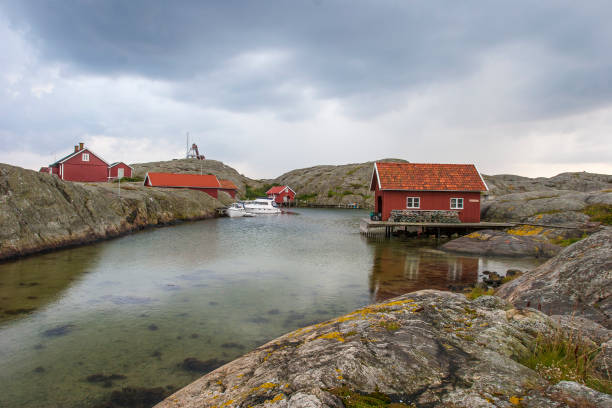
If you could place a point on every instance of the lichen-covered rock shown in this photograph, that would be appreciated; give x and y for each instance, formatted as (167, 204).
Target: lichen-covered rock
(427, 348)
(38, 211)
(578, 281)
(500, 243)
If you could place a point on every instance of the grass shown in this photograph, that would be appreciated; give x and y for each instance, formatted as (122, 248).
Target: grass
(568, 241)
(253, 193)
(306, 197)
(561, 357)
(132, 179)
(478, 292)
(354, 399)
(599, 213)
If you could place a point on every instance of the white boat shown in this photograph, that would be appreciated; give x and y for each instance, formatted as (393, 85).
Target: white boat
(236, 210)
(261, 206)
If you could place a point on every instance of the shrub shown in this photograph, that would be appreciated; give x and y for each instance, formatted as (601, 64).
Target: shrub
(599, 213)
(478, 292)
(132, 179)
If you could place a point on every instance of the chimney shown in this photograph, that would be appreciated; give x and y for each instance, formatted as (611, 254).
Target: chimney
(76, 148)
(81, 146)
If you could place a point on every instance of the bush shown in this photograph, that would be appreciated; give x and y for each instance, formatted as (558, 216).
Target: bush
(478, 292)
(599, 213)
(566, 358)
(131, 179)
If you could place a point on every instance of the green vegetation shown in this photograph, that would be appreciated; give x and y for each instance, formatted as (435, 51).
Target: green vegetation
(569, 241)
(352, 171)
(560, 357)
(357, 185)
(599, 213)
(331, 193)
(354, 399)
(253, 193)
(478, 292)
(306, 197)
(131, 179)
(347, 192)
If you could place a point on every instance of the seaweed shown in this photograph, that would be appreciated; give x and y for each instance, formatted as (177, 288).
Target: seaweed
(199, 366)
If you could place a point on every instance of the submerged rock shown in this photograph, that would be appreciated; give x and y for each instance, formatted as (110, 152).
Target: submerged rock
(428, 348)
(577, 282)
(199, 366)
(136, 397)
(59, 330)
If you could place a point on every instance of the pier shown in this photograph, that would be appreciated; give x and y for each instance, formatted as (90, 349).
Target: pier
(369, 228)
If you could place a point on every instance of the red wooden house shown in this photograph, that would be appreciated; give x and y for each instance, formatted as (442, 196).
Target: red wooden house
(80, 165)
(119, 170)
(420, 186)
(229, 187)
(207, 182)
(281, 194)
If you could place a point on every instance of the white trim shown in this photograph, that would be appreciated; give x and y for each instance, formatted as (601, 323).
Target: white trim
(144, 183)
(110, 166)
(81, 151)
(456, 207)
(482, 179)
(418, 198)
(62, 170)
(375, 171)
(85, 157)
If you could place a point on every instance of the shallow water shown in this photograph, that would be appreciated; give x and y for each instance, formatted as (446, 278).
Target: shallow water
(139, 305)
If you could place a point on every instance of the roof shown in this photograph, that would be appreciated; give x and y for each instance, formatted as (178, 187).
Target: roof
(278, 190)
(228, 184)
(182, 180)
(71, 155)
(428, 177)
(116, 163)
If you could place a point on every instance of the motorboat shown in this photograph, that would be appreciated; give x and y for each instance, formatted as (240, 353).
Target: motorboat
(261, 206)
(236, 210)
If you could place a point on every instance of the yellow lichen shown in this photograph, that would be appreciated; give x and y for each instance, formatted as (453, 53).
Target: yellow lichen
(525, 230)
(228, 403)
(278, 397)
(332, 336)
(515, 400)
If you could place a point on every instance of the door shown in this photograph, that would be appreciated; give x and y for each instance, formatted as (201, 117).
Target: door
(119, 172)
(379, 205)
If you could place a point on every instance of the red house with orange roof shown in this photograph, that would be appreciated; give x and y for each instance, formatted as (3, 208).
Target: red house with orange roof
(281, 194)
(205, 182)
(426, 187)
(229, 187)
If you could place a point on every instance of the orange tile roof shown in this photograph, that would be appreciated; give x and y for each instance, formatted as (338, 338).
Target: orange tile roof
(228, 184)
(276, 190)
(429, 177)
(183, 180)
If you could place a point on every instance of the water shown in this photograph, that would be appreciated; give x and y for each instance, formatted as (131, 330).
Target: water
(139, 305)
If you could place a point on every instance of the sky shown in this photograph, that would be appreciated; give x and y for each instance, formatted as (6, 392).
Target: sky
(517, 87)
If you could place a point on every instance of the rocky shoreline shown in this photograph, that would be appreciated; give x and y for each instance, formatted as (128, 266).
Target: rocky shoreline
(433, 348)
(39, 212)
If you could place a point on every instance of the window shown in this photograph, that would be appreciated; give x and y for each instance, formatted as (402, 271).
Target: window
(456, 203)
(413, 202)
(85, 157)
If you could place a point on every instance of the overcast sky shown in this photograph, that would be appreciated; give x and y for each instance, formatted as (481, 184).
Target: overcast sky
(269, 86)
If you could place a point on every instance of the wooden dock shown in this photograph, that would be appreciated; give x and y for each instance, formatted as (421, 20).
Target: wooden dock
(368, 227)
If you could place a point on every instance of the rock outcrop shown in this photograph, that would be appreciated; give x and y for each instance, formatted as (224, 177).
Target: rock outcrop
(503, 184)
(501, 243)
(427, 348)
(40, 212)
(578, 281)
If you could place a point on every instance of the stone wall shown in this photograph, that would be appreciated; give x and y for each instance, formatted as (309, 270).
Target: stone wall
(445, 216)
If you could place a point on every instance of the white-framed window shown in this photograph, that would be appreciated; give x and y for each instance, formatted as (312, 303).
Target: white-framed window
(456, 203)
(413, 202)
(85, 157)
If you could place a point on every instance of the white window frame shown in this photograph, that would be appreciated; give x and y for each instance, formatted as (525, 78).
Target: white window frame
(458, 200)
(85, 157)
(413, 200)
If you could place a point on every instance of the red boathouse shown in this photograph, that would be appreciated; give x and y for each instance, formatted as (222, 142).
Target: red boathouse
(281, 194)
(206, 182)
(119, 170)
(424, 186)
(229, 187)
(80, 165)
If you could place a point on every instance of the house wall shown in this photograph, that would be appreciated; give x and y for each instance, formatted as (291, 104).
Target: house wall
(213, 192)
(229, 191)
(430, 200)
(127, 170)
(75, 169)
(280, 198)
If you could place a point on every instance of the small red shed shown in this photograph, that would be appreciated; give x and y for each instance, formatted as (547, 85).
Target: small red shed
(80, 165)
(281, 194)
(206, 182)
(119, 170)
(229, 187)
(426, 186)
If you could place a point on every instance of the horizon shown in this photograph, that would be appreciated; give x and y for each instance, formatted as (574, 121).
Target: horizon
(517, 88)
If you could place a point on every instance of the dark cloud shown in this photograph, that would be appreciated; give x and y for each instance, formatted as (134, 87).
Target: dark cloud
(338, 49)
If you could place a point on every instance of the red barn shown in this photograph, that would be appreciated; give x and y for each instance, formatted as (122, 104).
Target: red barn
(80, 165)
(420, 187)
(229, 187)
(281, 194)
(207, 182)
(119, 170)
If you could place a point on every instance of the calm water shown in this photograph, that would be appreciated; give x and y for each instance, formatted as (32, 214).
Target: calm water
(139, 305)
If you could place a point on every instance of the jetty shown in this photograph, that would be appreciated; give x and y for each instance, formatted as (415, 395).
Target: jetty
(369, 228)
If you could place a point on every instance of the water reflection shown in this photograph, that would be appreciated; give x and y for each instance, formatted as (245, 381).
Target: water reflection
(398, 269)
